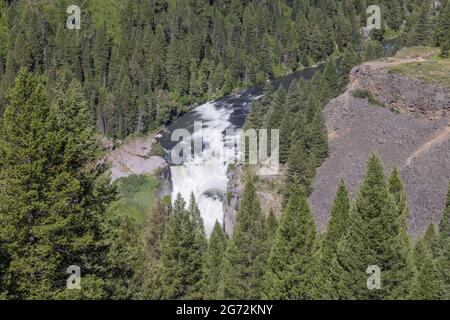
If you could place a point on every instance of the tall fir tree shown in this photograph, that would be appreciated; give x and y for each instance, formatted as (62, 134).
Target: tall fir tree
(183, 250)
(442, 251)
(427, 283)
(244, 262)
(54, 194)
(213, 260)
(326, 276)
(290, 267)
(370, 241)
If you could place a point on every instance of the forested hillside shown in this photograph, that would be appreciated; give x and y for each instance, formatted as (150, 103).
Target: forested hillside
(134, 66)
(140, 63)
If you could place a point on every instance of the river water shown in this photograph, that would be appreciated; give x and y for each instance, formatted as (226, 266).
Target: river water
(205, 173)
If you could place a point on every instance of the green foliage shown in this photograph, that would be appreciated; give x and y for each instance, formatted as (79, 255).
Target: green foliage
(137, 195)
(289, 270)
(244, 261)
(213, 260)
(366, 94)
(53, 197)
(339, 221)
(183, 251)
(372, 240)
(427, 284)
(442, 252)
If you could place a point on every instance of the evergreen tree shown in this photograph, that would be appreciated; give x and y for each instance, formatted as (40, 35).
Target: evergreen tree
(370, 241)
(330, 79)
(403, 270)
(53, 195)
(427, 284)
(183, 250)
(244, 261)
(216, 249)
(300, 168)
(349, 60)
(289, 270)
(276, 111)
(325, 276)
(317, 138)
(442, 34)
(443, 249)
(287, 127)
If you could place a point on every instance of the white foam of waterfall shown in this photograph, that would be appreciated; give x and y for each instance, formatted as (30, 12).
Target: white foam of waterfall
(205, 173)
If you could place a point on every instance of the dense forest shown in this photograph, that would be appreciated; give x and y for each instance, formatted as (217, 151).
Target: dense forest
(134, 66)
(142, 62)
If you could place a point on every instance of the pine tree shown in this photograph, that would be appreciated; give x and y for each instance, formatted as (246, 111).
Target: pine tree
(403, 270)
(244, 261)
(337, 226)
(216, 249)
(183, 250)
(442, 33)
(421, 31)
(395, 15)
(275, 114)
(349, 60)
(52, 209)
(330, 79)
(289, 270)
(300, 168)
(317, 138)
(427, 283)
(199, 247)
(287, 127)
(443, 249)
(370, 240)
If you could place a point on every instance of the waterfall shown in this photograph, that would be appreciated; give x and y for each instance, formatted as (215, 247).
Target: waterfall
(205, 173)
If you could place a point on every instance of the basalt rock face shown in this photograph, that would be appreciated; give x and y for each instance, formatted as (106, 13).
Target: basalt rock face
(416, 140)
(406, 94)
(266, 189)
(232, 200)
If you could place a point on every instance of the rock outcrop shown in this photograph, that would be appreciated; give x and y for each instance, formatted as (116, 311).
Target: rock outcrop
(406, 94)
(416, 140)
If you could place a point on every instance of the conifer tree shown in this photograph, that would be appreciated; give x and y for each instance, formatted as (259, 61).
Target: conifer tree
(443, 28)
(287, 127)
(317, 138)
(330, 79)
(300, 168)
(442, 251)
(276, 111)
(337, 226)
(244, 261)
(183, 251)
(53, 194)
(403, 270)
(213, 260)
(289, 269)
(349, 60)
(427, 284)
(199, 247)
(370, 240)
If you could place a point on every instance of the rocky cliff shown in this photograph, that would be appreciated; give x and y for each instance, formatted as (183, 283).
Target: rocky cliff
(406, 94)
(416, 140)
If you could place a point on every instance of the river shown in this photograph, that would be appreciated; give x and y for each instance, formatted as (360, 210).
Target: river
(205, 173)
